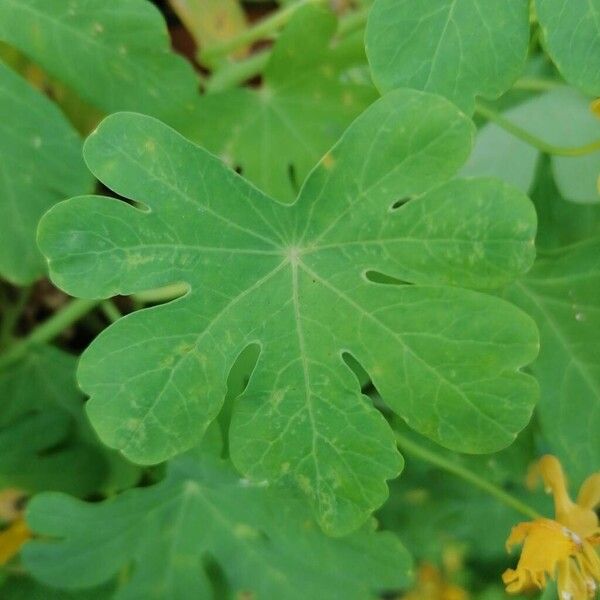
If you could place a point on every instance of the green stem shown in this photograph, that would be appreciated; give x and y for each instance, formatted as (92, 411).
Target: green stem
(238, 72)
(431, 457)
(261, 30)
(11, 316)
(111, 312)
(536, 84)
(235, 73)
(532, 140)
(353, 21)
(48, 330)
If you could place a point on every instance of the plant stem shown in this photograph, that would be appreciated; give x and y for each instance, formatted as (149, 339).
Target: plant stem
(237, 72)
(261, 30)
(431, 457)
(111, 312)
(48, 330)
(532, 140)
(353, 21)
(536, 84)
(11, 316)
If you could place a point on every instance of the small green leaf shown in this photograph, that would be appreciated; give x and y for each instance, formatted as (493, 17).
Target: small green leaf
(561, 117)
(561, 293)
(262, 539)
(276, 133)
(457, 48)
(296, 281)
(114, 53)
(40, 164)
(571, 32)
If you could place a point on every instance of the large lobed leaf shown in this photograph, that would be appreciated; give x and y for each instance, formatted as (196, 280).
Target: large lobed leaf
(263, 541)
(457, 48)
(277, 132)
(40, 164)
(295, 280)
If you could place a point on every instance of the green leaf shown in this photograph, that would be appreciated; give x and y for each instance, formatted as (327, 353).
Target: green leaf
(560, 223)
(561, 117)
(114, 53)
(276, 133)
(24, 588)
(40, 164)
(457, 48)
(42, 411)
(295, 280)
(263, 541)
(571, 32)
(561, 293)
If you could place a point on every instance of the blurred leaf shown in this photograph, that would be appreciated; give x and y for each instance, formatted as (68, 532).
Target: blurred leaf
(45, 442)
(262, 539)
(275, 134)
(560, 223)
(571, 32)
(24, 588)
(211, 21)
(115, 54)
(561, 117)
(40, 164)
(562, 293)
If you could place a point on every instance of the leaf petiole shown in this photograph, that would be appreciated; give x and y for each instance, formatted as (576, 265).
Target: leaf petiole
(532, 140)
(410, 447)
(236, 73)
(48, 330)
(263, 29)
(111, 312)
(536, 84)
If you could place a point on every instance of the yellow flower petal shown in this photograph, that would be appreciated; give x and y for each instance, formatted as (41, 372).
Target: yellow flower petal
(561, 549)
(589, 493)
(579, 517)
(546, 544)
(12, 539)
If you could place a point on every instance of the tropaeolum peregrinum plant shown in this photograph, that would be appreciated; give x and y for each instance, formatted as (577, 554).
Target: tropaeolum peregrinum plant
(296, 281)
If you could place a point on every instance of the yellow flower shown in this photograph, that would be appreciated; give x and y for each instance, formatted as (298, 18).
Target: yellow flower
(561, 548)
(11, 540)
(431, 585)
(17, 532)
